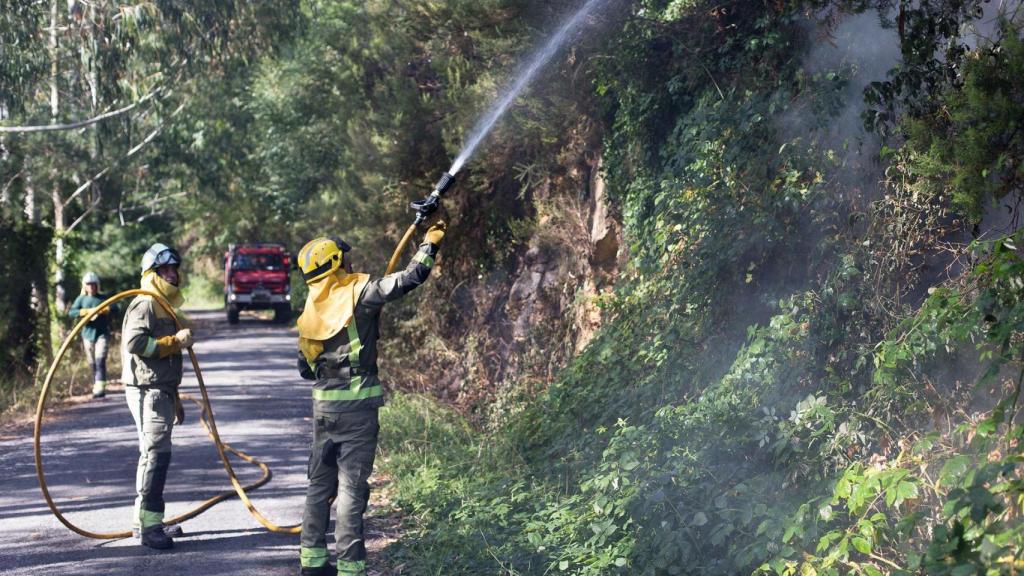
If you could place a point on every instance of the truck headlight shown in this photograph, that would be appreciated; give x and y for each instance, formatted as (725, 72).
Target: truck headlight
(233, 297)
(288, 297)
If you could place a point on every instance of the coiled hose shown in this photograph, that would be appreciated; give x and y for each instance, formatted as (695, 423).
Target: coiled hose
(206, 419)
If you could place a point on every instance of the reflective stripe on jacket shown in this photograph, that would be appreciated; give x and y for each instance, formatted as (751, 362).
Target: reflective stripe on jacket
(346, 370)
(143, 366)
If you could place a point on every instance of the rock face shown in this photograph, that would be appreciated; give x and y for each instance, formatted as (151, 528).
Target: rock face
(571, 259)
(511, 324)
(605, 260)
(528, 295)
(604, 230)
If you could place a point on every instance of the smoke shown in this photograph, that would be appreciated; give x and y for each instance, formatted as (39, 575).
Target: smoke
(985, 30)
(849, 52)
(861, 51)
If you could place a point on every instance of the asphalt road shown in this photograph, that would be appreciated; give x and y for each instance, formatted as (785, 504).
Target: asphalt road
(90, 451)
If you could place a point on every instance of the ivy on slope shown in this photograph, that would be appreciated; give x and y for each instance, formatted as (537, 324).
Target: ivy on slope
(715, 203)
(766, 396)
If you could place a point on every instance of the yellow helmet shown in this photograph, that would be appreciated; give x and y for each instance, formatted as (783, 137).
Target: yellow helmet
(321, 257)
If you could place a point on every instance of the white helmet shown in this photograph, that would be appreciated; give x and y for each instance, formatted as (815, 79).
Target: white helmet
(91, 278)
(159, 255)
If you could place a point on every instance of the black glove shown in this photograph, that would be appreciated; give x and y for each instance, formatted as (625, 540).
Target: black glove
(179, 411)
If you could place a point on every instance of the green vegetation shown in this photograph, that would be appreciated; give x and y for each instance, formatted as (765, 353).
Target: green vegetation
(971, 148)
(768, 395)
(19, 269)
(808, 359)
(99, 89)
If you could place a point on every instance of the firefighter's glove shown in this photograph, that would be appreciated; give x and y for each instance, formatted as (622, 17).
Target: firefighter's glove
(179, 411)
(436, 233)
(184, 338)
(174, 344)
(166, 346)
(84, 312)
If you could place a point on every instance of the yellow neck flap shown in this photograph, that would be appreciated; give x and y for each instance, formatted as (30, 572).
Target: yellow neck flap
(152, 282)
(330, 305)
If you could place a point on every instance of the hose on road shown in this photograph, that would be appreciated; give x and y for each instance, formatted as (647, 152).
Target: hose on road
(206, 419)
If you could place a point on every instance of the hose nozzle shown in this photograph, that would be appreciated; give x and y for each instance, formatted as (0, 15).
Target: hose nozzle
(443, 184)
(424, 208)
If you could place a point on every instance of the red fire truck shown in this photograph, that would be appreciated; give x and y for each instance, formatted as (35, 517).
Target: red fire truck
(256, 278)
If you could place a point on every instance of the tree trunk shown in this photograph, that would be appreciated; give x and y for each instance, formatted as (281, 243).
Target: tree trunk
(5, 158)
(59, 300)
(54, 96)
(40, 298)
(92, 62)
(31, 210)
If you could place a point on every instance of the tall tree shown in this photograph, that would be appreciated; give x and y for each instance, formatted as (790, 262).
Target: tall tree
(87, 88)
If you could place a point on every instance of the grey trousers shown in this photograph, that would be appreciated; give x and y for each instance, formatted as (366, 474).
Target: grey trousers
(340, 462)
(153, 412)
(96, 356)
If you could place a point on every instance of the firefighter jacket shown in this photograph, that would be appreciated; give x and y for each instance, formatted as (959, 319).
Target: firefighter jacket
(99, 325)
(144, 323)
(345, 365)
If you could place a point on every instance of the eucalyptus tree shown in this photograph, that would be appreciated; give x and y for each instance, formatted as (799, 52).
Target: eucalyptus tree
(88, 90)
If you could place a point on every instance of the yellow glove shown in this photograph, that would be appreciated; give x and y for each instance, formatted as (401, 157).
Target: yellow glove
(173, 344)
(436, 233)
(83, 312)
(166, 346)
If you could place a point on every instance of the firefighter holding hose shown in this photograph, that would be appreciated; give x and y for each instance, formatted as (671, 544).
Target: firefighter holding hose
(152, 368)
(338, 332)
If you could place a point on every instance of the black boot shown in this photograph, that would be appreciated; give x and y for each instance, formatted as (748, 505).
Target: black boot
(325, 570)
(172, 530)
(155, 537)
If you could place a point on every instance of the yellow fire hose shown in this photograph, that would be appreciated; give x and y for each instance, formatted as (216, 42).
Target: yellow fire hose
(398, 249)
(424, 208)
(206, 419)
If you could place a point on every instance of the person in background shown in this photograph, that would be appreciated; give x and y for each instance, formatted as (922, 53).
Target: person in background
(95, 334)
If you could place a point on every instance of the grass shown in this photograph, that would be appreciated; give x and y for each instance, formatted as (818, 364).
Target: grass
(455, 485)
(19, 394)
(203, 293)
